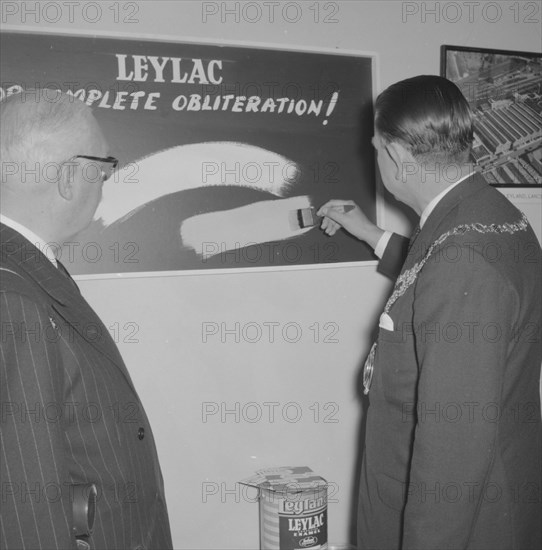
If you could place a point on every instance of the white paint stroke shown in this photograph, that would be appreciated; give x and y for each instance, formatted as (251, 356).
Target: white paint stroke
(260, 222)
(190, 166)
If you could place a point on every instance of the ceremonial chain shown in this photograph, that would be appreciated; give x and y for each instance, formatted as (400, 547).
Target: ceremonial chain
(408, 277)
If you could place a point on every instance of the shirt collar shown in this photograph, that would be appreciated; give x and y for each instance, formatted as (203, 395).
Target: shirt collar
(431, 206)
(46, 249)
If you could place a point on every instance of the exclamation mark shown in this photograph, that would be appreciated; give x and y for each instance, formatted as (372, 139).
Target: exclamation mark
(331, 106)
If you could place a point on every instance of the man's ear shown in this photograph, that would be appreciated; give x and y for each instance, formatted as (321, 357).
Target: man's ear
(400, 157)
(66, 178)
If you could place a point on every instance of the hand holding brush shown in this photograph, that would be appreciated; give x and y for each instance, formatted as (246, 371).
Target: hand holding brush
(348, 215)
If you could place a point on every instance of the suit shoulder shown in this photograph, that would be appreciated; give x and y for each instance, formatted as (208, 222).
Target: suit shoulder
(489, 207)
(490, 203)
(21, 301)
(13, 282)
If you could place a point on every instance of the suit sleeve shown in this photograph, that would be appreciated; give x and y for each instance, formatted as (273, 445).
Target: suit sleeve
(463, 312)
(36, 504)
(394, 256)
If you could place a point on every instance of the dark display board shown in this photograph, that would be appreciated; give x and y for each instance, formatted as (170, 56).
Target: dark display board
(219, 146)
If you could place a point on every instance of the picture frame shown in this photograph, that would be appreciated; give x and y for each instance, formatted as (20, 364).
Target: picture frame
(504, 90)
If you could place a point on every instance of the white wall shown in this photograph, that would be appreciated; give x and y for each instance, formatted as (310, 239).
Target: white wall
(176, 371)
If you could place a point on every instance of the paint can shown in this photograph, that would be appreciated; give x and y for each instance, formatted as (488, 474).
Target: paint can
(293, 508)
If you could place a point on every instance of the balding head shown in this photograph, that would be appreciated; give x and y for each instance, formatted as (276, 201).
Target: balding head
(40, 132)
(42, 126)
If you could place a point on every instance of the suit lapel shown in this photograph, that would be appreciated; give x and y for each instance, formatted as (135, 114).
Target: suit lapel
(67, 301)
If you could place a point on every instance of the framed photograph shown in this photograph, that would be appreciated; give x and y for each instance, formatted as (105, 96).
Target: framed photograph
(504, 89)
(223, 149)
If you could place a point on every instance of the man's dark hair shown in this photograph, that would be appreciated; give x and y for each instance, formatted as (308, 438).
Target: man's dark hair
(429, 116)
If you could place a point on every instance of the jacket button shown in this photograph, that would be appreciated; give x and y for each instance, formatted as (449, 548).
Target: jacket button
(141, 433)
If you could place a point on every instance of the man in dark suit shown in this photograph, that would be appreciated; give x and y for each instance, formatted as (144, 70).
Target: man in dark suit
(74, 432)
(452, 456)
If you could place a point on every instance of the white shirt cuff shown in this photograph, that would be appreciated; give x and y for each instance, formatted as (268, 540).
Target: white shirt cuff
(382, 244)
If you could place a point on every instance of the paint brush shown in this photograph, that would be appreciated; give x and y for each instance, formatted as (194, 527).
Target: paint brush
(307, 217)
(213, 233)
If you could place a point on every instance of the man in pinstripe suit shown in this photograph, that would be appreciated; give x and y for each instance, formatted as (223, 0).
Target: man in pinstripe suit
(71, 418)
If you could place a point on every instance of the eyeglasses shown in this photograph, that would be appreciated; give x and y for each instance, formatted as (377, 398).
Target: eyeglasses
(104, 174)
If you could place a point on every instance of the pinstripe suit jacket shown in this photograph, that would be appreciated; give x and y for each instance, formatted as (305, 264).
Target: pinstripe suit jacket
(453, 445)
(70, 414)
